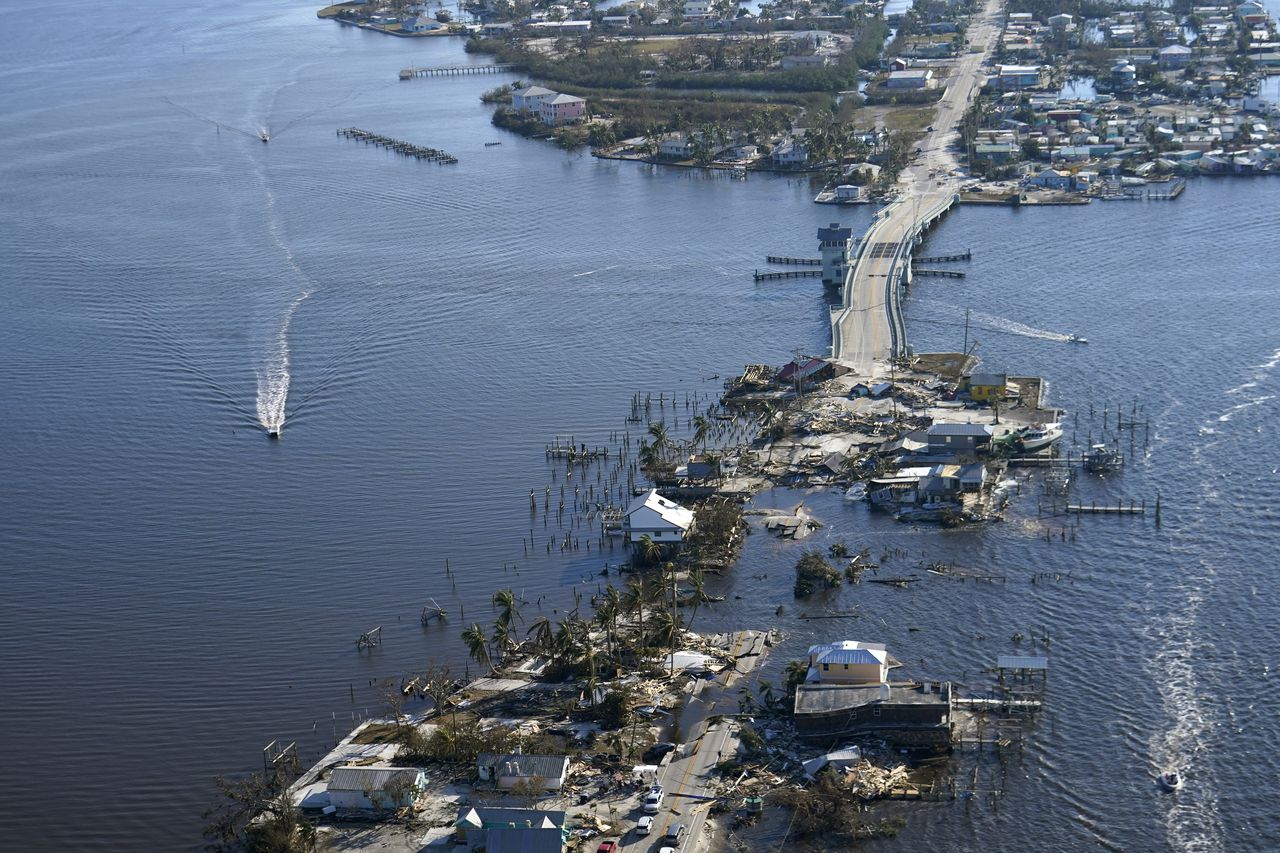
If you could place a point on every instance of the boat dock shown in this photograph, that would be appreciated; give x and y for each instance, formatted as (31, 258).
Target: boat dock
(945, 259)
(774, 276)
(932, 273)
(418, 152)
(450, 70)
(782, 259)
(1118, 508)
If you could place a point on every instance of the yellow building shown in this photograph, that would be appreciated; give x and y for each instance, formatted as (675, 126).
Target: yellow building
(988, 387)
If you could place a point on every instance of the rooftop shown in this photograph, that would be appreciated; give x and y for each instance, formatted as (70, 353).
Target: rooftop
(824, 698)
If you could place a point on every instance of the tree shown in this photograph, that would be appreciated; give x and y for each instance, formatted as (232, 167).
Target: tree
(649, 550)
(701, 428)
(391, 692)
(661, 438)
(509, 608)
(256, 814)
(478, 646)
(543, 635)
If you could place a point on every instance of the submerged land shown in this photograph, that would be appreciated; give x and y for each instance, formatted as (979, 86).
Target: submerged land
(617, 725)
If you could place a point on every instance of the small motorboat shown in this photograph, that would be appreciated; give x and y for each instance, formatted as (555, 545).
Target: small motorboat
(1076, 339)
(1169, 780)
(264, 135)
(273, 433)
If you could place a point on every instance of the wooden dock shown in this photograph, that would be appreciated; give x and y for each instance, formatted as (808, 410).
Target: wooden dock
(774, 276)
(409, 149)
(783, 259)
(1118, 508)
(450, 70)
(932, 273)
(946, 259)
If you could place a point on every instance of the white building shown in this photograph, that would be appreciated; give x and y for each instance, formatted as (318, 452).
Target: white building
(370, 788)
(664, 521)
(791, 151)
(531, 98)
(420, 24)
(674, 145)
(911, 78)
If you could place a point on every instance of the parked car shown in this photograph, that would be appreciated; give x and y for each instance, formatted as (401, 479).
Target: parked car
(653, 801)
(607, 847)
(654, 754)
(675, 832)
(644, 826)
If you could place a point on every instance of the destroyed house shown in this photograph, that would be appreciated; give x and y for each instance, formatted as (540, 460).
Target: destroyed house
(905, 716)
(546, 772)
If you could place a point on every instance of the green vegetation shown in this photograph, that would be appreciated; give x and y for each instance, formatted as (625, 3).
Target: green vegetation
(814, 573)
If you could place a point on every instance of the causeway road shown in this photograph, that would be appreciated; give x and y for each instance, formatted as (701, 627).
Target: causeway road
(866, 330)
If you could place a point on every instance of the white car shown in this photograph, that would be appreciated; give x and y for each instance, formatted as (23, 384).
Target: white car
(653, 802)
(644, 826)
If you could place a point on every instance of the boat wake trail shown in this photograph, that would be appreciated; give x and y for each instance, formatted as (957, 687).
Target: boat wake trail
(593, 272)
(981, 320)
(273, 374)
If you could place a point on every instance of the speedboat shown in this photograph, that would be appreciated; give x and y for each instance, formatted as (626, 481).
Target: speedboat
(1076, 339)
(1170, 780)
(273, 432)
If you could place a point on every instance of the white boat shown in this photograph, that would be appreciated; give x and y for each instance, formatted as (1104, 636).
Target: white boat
(1170, 780)
(1038, 436)
(856, 492)
(1076, 339)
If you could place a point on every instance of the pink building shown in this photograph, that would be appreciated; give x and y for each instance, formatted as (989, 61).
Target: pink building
(563, 109)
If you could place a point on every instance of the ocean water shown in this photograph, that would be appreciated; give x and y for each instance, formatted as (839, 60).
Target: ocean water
(180, 589)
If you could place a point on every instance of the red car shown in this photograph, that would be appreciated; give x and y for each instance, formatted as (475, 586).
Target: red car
(607, 847)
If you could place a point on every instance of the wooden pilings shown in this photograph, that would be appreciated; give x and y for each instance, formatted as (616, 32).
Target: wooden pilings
(418, 152)
(450, 70)
(783, 259)
(774, 276)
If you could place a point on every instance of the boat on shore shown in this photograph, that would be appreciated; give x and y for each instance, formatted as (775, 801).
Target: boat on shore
(1037, 436)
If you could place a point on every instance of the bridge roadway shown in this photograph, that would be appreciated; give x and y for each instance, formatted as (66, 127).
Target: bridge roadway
(867, 331)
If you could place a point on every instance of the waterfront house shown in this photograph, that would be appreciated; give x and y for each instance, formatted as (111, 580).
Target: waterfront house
(1123, 74)
(563, 109)
(958, 438)
(1051, 179)
(848, 662)
(804, 371)
(675, 145)
(497, 30)
(421, 24)
(987, 387)
(543, 772)
(791, 151)
(530, 98)
(972, 477)
(836, 244)
(906, 716)
(375, 788)
(497, 830)
(910, 78)
(663, 521)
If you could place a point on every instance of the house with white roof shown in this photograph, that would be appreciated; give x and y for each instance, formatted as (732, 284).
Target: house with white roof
(848, 662)
(531, 98)
(546, 772)
(563, 109)
(663, 521)
(369, 788)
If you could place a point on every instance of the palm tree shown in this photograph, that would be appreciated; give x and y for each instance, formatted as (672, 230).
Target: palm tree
(506, 599)
(503, 641)
(478, 646)
(701, 427)
(661, 438)
(699, 581)
(607, 615)
(766, 693)
(634, 600)
(650, 551)
(542, 634)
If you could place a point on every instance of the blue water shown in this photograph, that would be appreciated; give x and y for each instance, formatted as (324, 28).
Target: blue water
(181, 590)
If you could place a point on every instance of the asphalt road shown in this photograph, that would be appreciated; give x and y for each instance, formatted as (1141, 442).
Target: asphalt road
(686, 779)
(862, 333)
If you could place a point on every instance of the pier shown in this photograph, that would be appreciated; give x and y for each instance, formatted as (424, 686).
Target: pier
(782, 259)
(931, 273)
(1118, 508)
(418, 152)
(945, 259)
(867, 330)
(450, 70)
(774, 276)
